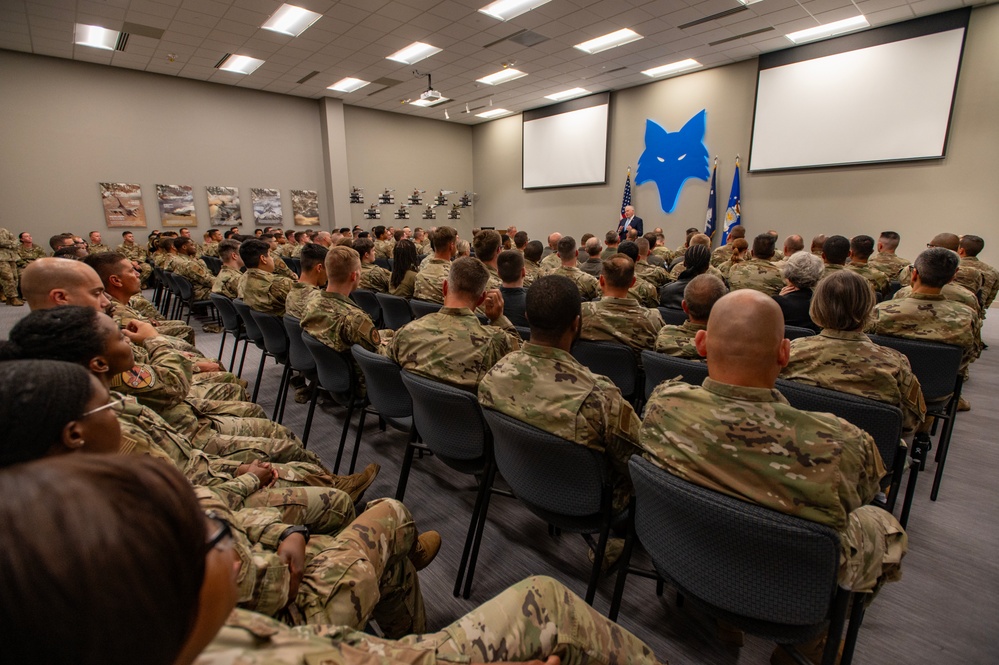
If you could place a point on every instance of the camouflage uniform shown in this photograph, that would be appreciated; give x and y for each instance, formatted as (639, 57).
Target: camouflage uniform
(452, 346)
(8, 264)
(210, 248)
(295, 252)
(750, 444)
(339, 323)
(226, 282)
(877, 279)
(550, 262)
(990, 279)
(533, 619)
(98, 248)
(589, 287)
(851, 363)
(680, 267)
(124, 313)
(665, 253)
(281, 268)
(494, 279)
(756, 274)
(26, 256)
(384, 249)
(950, 291)
(374, 278)
(966, 276)
(532, 271)
(889, 264)
(653, 274)
(828, 269)
(204, 385)
(725, 269)
(678, 341)
(930, 318)
(621, 320)
(298, 298)
(430, 280)
(721, 254)
(264, 291)
(197, 273)
(644, 292)
(549, 389)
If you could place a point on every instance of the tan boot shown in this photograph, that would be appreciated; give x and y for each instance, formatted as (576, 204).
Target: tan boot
(356, 484)
(15, 302)
(426, 548)
(963, 405)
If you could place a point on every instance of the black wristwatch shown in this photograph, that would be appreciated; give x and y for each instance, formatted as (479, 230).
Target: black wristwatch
(304, 530)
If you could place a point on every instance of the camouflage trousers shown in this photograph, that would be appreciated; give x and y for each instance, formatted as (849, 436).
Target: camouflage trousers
(364, 573)
(217, 389)
(217, 408)
(246, 448)
(177, 329)
(324, 510)
(871, 550)
(8, 279)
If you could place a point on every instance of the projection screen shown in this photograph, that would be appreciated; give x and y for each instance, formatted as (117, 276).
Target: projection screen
(566, 144)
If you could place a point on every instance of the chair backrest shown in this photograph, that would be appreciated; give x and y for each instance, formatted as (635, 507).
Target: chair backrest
(882, 421)
(550, 474)
(672, 316)
(171, 283)
(299, 356)
(449, 420)
(794, 332)
(275, 338)
(615, 361)
(395, 310)
(230, 317)
(384, 263)
(214, 264)
(525, 333)
(423, 307)
(367, 301)
(736, 556)
(935, 365)
(336, 375)
(252, 329)
(659, 367)
(184, 287)
(385, 388)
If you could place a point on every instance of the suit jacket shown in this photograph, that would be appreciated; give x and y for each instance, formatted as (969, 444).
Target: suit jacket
(636, 223)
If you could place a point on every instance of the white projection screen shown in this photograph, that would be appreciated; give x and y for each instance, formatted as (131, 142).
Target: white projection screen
(877, 96)
(566, 144)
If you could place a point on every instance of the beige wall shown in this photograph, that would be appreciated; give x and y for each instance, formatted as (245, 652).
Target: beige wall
(917, 199)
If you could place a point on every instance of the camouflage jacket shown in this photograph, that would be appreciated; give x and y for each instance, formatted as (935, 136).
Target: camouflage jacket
(966, 276)
(452, 346)
(678, 341)
(210, 249)
(144, 307)
(265, 292)
(374, 278)
(160, 383)
(384, 249)
(750, 444)
(990, 279)
(133, 252)
(951, 291)
(642, 292)
(589, 287)
(336, 321)
(721, 255)
(26, 256)
(756, 274)
(227, 282)
(281, 269)
(550, 262)
(532, 271)
(889, 264)
(430, 280)
(665, 253)
(298, 298)
(851, 363)
(653, 274)
(877, 279)
(8, 246)
(621, 320)
(197, 273)
(930, 318)
(830, 268)
(98, 248)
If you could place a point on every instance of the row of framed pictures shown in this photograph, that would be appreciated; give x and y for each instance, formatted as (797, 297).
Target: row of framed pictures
(123, 205)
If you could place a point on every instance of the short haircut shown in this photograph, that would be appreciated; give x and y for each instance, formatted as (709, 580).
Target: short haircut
(843, 300)
(567, 248)
(520, 239)
(818, 241)
(378, 231)
(312, 256)
(486, 245)
(652, 238)
(618, 271)
(69, 252)
(462, 248)
(363, 245)
(442, 237)
(584, 238)
(56, 241)
(510, 265)
(398, 234)
(794, 244)
(738, 231)
(936, 266)
(165, 244)
(643, 245)
(836, 249)
(629, 249)
(227, 248)
(341, 261)
(611, 238)
(179, 243)
(106, 264)
(534, 250)
(763, 246)
(251, 251)
(468, 276)
(890, 239)
(593, 247)
(948, 240)
(701, 294)
(972, 245)
(552, 304)
(123, 233)
(268, 235)
(862, 246)
(700, 239)
(803, 269)
(299, 235)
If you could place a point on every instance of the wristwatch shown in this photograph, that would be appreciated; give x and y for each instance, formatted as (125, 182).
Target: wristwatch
(304, 530)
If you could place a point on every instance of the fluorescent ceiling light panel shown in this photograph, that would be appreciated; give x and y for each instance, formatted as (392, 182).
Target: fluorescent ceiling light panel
(748, 2)
(567, 94)
(429, 102)
(672, 68)
(291, 20)
(348, 85)
(240, 64)
(502, 76)
(493, 113)
(96, 37)
(505, 10)
(414, 53)
(829, 29)
(609, 41)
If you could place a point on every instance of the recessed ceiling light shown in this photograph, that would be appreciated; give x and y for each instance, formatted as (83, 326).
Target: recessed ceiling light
(829, 29)
(567, 94)
(348, 85)
(240, 64)
(428, 102)
(414, 53)
(672, 68)
(493, 113)
(502, 76)
(96, 37)
(608, 41)
(748, 2)
(291, 20)
(505, 10)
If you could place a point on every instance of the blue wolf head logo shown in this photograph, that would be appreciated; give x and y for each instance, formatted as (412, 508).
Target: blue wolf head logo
(670, 160)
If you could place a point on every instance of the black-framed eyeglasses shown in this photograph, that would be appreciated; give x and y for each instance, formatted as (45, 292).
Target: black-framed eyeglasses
(222, 536)
(115, 403)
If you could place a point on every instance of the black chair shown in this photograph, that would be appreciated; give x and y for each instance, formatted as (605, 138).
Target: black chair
(767, 573)
(300, 359)
(525, 333)
(386, 394)
(336, 375)
(566, 484)
(794, 332)
(672, 316)
(173, 304)
(213, 263)
(615, 361)
(231, 325)
(395, 310)
(276, 344)
(938, 368)
(295, 265)
(423, 307)
(254, 335)
(186, 290)
(384, 263)
(367, 301)
(659, 367)
(449, 423)
(160, 290)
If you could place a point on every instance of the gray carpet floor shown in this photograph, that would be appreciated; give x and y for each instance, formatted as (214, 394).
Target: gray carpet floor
(944, 610)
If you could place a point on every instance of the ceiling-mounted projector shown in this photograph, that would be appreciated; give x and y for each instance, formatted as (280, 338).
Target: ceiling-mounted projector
(431, 95)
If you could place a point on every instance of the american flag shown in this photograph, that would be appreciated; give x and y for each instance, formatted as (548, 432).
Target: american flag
(626, 199)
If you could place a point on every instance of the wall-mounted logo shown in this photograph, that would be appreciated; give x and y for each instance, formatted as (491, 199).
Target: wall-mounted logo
(672, 158)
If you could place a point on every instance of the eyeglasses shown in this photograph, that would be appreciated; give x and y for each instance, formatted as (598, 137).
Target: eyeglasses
(116, 404)
(222, 538)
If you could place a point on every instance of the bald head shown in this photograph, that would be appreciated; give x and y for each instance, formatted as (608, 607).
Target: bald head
(744, 342)
(946, 240)
(553, 240)
(51, 282)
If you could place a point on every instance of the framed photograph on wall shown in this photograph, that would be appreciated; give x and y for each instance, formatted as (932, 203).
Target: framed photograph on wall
(305, 207)
(176, 204)
(223, 206)
(123, 205)
(266, 206)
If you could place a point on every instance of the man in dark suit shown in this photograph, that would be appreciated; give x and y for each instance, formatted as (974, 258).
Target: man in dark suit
(629, 222)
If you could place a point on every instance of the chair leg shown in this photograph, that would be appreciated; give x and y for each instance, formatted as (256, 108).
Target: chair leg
(598, 559)
(357, 442)
(308, 418)
(189, 310)
(222, 343)
(841, 606)
(944, 447)
(281, 393)
(407, 463)
(622, 574)
(469, 557)
(853, 628)
(242, 359)
(260, 375)
(284, 396)
(920, 449)
(343, 434)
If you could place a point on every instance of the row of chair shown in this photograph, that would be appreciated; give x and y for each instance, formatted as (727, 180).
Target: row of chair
(177, 295)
